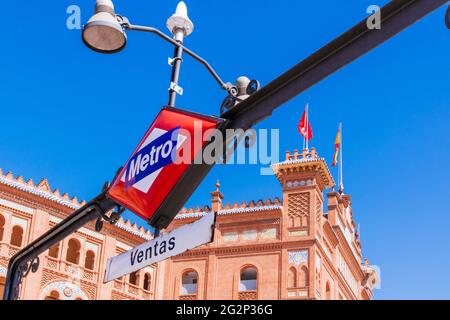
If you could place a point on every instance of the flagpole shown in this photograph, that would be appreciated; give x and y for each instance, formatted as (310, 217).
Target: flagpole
(304, 142)
(307, 126)
(341, 161)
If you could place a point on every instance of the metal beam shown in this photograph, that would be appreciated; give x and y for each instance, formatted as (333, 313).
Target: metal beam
(396, 16)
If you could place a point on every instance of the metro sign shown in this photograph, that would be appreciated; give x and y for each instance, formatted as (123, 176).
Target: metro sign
(154, 172)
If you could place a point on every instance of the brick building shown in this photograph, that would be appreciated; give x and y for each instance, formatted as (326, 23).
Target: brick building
(287, 248)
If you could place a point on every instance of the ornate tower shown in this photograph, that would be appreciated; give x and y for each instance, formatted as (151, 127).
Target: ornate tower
(303, 176)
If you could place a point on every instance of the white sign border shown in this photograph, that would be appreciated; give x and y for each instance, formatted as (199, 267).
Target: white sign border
(192, 237)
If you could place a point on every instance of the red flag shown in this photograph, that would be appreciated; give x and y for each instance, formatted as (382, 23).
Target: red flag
(304, 122)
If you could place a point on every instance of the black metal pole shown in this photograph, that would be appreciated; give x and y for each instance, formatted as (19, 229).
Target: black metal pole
(27, 259)
(176, 66)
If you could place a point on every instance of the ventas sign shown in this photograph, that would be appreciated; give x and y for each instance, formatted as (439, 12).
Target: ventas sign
(178, 241)
(150, 184)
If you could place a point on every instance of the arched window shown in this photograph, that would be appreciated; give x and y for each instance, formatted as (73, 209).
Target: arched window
(2, 286)
(134, 279)
(328, 292)
(147, 282)
(73, 252)
(54, 251)
(2, 226)
(89, 261)
(189, 283)
(54, 295)
(292, 278)
(249, 277)
(17, 236)
(303, 277)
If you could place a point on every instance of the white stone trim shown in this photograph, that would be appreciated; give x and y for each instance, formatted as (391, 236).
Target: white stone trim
(270, 233)
(16, 206)
(92, 234)
(229, 212)
(123, 246)
(276, 167)
(93, 247)
(132, 231)
(303, 160)
(3, 271)
(16, 221)
(249, 235)
(100, 236)
(39, 193)
(230, 237)
(86, 231)
(55, 219)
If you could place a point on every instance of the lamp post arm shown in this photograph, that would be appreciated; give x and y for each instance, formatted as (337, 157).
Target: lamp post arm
(223, 85)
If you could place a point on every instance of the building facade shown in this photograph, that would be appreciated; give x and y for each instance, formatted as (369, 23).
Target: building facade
(287, 248)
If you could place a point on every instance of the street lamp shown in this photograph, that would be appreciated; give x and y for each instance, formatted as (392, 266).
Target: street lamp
(105, 33)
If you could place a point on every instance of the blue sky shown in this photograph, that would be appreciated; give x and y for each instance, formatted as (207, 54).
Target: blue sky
(74, 116)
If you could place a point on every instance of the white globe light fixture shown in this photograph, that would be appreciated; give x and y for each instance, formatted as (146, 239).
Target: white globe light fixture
(103, 33)
(179, 23)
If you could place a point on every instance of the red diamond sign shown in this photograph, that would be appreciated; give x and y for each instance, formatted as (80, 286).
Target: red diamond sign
(161, 160)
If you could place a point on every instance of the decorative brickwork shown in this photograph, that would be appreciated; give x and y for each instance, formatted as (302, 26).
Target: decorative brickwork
(115, 295)
(90, 289)
(52, 263)
(298, 209)
(248, 295)
(118, 285)
(189, 297)
(89, 275)
(318, 209)
(319, 215)
(47, 277)
(3, 262)
(133, 289)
